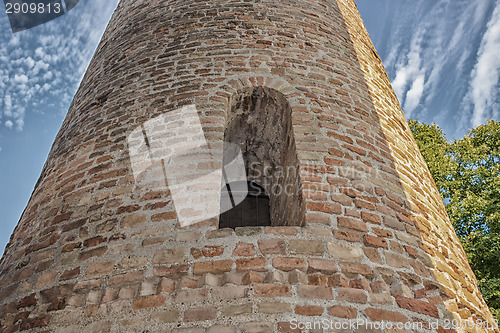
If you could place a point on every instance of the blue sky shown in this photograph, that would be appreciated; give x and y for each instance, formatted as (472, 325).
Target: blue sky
(441, 56)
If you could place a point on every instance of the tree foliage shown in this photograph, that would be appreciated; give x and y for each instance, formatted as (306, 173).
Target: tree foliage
(467, 173)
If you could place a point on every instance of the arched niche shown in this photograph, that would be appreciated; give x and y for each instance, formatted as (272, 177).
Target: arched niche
(259, 121)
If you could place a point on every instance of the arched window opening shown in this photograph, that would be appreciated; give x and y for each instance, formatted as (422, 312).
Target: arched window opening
(253, 211)
(260, 123)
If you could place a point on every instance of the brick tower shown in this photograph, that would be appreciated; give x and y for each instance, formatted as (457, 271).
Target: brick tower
(357, 230)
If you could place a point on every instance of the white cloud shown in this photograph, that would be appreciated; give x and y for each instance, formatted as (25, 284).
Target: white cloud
(29, 62)
(409, 80)
(14, 41)
(8, 102)
(47, 76)
(41, 67)
(19, 124)
(430, 55)
(21, 78)
(485, 77)
(414, 94)
(39, 52)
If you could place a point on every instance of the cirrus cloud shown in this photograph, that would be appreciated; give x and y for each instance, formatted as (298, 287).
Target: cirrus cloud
(485, 76)
(40, 68)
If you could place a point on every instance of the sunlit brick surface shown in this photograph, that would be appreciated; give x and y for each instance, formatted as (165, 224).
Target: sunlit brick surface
(95, 251)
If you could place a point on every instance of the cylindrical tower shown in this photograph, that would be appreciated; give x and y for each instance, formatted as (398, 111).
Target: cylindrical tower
(342, 219)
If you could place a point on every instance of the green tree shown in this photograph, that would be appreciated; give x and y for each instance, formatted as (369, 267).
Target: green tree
(436, 152)
(467, 173)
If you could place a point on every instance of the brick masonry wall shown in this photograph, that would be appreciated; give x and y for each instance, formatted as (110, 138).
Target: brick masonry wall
(95, 251)
(450, 266)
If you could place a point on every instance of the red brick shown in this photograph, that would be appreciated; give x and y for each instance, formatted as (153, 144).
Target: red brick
(153, 195)
(337, 281)
(169, 256)
(373, 255)
(410, 279)
(374, 241)
(313, 217)
(71, 246)
(43, 266)
(252, 277)
(73, 225)
(97, 252)
(370, 217)
(133, 220)
(382, 232)
(286, 327)
(353, 268)
(361, 283)
(281, 231)
(62, 218)
(150, 301)
(272, 290)
(396, 260)
(191, 296)
(343, 312)
(156, 205)
(384, 315)
(99, 268)
(166, 285)
(187, 282)
(57, 304)
(364, 204)
(306, 247)
(347, 236)
(321, 265)
(417, 306)
(289, 264)
(110, 175)
(30, 323)
(173, 272)
(27, 301)
(317, 280)
(340, 137)
(244, 250)
(219, 233)
(127, 209)
(420, 293)
(212, 251)
(420, 268)
(214, 267)
(329, 208)
(127, 277)
(334, 161)
(309, 310)
(229, 292)
(253, 264)
(200, 314)
(89, 284)
(164, 217)
(352, 295)
(272, 246)
(46, 242)
(349, 223)
(61, 290)
(411, 251)
(379, 287)
(317, 292)
(196, 253)
(116, 237)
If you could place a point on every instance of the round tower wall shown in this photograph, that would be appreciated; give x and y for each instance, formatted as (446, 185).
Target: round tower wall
(367, 237)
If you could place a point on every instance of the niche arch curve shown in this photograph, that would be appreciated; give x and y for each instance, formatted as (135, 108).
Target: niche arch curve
(259, 121)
